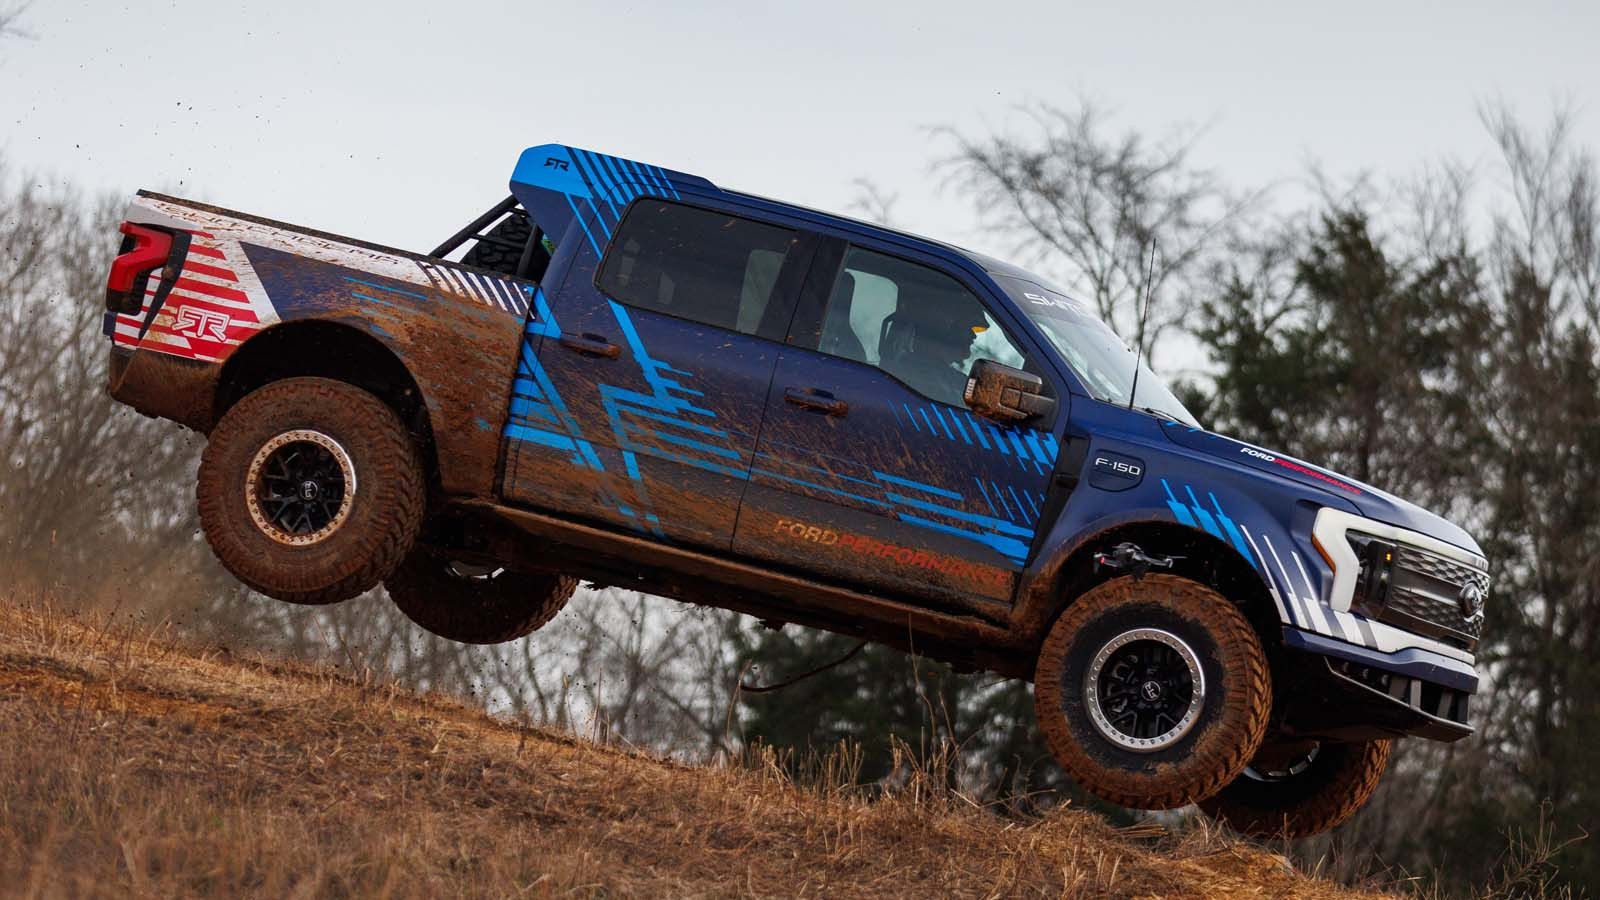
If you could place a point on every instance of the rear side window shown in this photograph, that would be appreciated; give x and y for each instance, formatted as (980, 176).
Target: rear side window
(701, 265)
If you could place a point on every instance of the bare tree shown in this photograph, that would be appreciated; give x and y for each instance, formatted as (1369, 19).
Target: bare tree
(1093, 206)
(873, 202)
(95, 497)
(10, 19)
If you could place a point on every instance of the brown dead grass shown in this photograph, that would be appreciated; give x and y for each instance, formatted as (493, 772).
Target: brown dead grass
(131, 764)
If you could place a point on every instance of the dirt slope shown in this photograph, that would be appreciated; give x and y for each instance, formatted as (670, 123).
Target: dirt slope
(132, 764)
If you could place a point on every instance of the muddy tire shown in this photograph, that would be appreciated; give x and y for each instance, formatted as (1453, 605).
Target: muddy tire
(311, 490)
(1301, 796)
(474, 606)
(1152, 692)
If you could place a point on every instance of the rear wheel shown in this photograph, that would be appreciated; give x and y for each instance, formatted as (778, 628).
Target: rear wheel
(476, 604)
(1152, 691)
(310, 490)
(1297, 789)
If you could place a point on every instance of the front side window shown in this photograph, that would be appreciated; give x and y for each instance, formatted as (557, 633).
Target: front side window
(916, 323)
(701, 265)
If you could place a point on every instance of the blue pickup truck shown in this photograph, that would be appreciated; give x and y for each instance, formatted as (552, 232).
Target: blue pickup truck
(629, 375)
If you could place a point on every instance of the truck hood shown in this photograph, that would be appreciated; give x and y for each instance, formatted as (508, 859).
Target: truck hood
(1368, 500)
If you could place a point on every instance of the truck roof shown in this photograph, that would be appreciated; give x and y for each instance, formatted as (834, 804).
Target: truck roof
(608, 183)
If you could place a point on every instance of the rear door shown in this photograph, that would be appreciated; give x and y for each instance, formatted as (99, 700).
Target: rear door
(640, 405)
(870, 469)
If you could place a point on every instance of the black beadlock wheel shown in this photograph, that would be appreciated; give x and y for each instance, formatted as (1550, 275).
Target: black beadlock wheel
(1152, 691)
(475, 604)
(1295, 790)
(310, 490)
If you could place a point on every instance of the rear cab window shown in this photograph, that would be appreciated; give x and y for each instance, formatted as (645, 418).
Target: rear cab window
(703, 265)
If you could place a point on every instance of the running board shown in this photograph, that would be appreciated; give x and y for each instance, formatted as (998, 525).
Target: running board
(692, 576)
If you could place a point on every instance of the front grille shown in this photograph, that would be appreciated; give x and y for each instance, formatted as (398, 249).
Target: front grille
(1426, 596)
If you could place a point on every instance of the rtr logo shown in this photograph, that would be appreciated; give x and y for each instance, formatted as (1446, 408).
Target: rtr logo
(202, 323)
(554, 162)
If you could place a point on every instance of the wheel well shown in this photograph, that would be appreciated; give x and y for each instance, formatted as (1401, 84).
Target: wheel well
(326, 350)
(1197, 556)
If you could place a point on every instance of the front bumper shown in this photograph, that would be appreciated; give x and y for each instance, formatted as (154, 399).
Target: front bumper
(1345, 691)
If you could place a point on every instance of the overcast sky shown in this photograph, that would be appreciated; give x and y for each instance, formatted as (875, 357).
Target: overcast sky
(398, 121)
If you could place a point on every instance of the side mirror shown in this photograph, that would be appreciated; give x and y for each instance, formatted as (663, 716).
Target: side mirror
(1007, 394)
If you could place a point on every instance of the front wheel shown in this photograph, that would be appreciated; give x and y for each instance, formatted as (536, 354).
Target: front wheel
(310, 490)
(476, 604)
(1152, 691)
(1297, 789)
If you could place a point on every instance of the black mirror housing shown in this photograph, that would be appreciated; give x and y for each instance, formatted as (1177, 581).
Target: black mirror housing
(1009, 395)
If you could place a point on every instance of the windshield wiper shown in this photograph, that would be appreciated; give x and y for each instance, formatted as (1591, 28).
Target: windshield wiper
(1159, 412)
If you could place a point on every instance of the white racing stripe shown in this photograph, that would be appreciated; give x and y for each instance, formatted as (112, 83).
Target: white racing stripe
(1272, 586)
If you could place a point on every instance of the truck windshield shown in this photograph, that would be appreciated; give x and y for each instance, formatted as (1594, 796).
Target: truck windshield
(1100, 358)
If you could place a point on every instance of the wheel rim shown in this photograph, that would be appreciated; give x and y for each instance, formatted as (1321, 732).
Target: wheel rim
(300, 487)
(1285, 771)
(472, 572)
(1144, 689)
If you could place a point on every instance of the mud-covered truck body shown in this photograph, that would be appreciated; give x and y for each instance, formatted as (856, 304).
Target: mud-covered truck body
(635, 377)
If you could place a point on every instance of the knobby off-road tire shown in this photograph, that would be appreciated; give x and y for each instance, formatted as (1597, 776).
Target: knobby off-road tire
(277, 435)
(512, 229)
(476, 609)
(1178, 626)
(1298, 802)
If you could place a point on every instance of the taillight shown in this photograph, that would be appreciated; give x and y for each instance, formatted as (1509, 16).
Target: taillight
(150, 249)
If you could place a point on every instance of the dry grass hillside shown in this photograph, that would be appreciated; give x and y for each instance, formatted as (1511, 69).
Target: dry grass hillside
(134, 764)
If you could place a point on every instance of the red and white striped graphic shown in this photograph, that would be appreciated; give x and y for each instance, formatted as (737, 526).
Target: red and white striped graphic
(215, 305)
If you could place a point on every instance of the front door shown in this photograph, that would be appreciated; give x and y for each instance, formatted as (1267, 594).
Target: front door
(870, 469)
(639, 406)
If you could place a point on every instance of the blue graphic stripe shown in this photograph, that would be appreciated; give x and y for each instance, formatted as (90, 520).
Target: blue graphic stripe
(1233, 533)
(1022, 450)
(985, 492)
(917, 485)
(384, 287)
(1018, 500)
(576, 214)
(541, 436)
(1179, 511)
(1206, 521)
(1003, 504)
(1011, 548)
(680, 440)
(524, 408)
(977, 431)
(818, 487)
(999, 525)
(794, 465)
(673, 420)
(961, 430)
(1032, 437)
(597, 183)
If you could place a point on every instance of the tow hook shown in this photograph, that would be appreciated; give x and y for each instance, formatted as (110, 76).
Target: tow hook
(1129, 557)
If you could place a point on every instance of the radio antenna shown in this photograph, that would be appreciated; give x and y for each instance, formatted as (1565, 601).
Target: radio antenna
(1138, 351)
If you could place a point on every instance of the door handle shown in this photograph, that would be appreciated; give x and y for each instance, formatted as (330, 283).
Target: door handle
(816, 399)
(590, 345)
